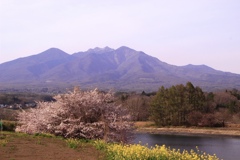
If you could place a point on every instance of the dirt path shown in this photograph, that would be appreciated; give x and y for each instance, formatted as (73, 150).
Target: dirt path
(43, 148)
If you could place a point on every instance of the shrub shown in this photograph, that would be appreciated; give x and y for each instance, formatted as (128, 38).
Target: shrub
(9, 125)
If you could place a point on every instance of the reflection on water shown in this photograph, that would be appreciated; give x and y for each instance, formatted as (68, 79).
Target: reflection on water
(227, 148)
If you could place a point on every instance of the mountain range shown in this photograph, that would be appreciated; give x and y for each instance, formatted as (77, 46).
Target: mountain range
(122, 69)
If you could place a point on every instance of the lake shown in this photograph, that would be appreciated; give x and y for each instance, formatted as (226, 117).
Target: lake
(227, 148)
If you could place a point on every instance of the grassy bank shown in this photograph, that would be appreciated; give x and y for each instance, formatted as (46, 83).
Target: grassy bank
(149, 127)
(18, 146)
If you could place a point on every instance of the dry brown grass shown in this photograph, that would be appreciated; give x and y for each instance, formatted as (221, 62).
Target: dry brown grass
(143, 124)
(149, 127)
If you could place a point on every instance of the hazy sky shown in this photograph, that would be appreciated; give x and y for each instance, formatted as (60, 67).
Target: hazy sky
(178, 32)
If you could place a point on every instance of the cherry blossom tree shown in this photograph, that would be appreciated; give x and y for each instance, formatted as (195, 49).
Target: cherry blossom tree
(79, 114)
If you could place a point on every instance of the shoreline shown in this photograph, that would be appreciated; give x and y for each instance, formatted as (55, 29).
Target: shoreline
(227, 131)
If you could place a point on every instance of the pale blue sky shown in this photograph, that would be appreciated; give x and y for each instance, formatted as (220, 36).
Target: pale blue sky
(178, 32)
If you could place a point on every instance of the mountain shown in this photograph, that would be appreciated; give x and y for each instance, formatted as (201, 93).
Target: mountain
(106, 68)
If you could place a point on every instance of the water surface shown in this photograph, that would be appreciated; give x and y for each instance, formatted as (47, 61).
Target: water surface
(227, 148)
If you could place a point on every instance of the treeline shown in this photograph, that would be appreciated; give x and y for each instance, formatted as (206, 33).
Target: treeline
(179, 105)
(185, 105)
(11, 102)
(23, 98)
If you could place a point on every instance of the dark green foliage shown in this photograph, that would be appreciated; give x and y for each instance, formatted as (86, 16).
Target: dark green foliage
(172, 106)
(148, 94)
(9, 125)
(188, 105)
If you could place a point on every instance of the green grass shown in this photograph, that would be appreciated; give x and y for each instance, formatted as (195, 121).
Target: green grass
(73, 143)
(3, 142)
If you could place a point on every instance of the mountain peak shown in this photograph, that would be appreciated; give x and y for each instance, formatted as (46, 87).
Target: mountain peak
(125, 48)
(52, 53)
(53, 49)
(100, 50)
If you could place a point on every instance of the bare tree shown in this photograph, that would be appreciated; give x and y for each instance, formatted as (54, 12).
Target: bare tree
(79, 114)
(138, 106)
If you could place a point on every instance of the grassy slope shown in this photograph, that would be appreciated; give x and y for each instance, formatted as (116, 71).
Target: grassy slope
(18, 146)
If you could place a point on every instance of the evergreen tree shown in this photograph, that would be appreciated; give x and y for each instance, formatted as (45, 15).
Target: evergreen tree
(171, 106)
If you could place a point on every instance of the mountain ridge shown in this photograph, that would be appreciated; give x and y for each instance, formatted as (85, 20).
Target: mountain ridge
(106, 68)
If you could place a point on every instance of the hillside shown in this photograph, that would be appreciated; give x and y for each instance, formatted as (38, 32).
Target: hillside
(106, 68)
